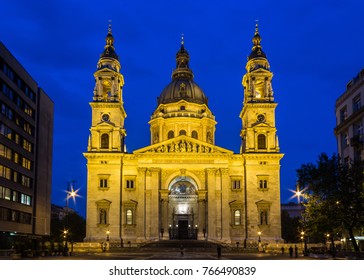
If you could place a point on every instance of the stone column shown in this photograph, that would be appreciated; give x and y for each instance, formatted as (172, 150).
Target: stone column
(201, 214)
(141, 216)
(164, 213)
(211, 205)
(226, 215)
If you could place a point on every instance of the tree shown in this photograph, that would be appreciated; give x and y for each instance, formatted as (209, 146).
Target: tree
(334, 197)
(76, 227)
(290, 227)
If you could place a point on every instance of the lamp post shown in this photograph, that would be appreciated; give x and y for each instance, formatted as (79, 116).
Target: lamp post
(259, 240)
(107, 240)
(69, 193)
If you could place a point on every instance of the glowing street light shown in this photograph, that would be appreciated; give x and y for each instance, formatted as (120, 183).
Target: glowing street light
(69, 193)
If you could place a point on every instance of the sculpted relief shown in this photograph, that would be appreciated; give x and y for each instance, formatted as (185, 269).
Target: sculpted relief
(182, 146)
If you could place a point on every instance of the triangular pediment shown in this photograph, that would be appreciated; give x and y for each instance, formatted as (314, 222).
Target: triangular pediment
(183, 144)
(105, 125)
(260, 124)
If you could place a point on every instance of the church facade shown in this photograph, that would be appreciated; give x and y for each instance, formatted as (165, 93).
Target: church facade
(183, 186)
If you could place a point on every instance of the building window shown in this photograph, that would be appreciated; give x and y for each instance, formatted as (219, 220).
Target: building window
(182, 108)
(103, 183)
(6, 131)
(5, 152)
(358, 129)
(182, 132)
(236, 184)
(105, 141)
(261, 141)
(27, 145)
(130, 184)
(26, 163)
(129, 217)
(25, 181)
(5, 193)
(356, 104)
(263, 181)
(263, 184)
(343, 114)
(170, 134)
(237, 217)
(5, 172)
(25, 199)
(344, 140)
(194, 134)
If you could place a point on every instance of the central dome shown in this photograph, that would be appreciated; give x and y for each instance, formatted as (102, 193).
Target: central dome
(182, 89)
(182, 86)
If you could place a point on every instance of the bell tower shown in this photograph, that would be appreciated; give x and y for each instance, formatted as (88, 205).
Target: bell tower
(108, 114)
(260, 148)
(258, 132)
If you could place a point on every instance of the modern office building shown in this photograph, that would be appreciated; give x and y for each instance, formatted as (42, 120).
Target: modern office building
(26, 136)
(183, 186)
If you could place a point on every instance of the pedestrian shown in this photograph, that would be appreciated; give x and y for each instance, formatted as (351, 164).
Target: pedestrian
(282, 250)
(290, 252)
(218, 251)
(182, 250)
(296, 251)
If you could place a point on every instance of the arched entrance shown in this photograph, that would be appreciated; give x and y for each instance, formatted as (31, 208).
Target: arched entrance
(183, 208)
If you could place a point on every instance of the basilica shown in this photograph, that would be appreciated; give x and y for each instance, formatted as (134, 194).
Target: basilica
(183, 186)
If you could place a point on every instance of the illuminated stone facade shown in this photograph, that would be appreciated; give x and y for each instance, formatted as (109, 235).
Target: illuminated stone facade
(183, 186)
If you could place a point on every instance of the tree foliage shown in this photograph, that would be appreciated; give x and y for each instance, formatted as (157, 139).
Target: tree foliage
(334, 196)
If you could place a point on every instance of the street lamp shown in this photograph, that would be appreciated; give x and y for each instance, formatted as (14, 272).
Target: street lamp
(259, 240)
(69, 193)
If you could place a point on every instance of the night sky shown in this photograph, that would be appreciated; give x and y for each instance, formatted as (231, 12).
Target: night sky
(314, 48)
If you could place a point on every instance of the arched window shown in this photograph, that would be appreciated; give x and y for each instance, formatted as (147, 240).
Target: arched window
(105, 141)
(182, 132)
(261, 141)
(129, 217)
(194, 134)
(170, 134)
(237, 217)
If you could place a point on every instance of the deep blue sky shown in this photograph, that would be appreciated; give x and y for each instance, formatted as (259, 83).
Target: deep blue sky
(314, 49)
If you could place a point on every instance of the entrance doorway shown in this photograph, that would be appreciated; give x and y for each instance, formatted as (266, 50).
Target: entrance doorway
(183, 208)
(183, 230)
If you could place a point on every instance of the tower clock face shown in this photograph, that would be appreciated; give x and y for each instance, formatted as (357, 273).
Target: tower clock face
(105, 117)
(260, 118)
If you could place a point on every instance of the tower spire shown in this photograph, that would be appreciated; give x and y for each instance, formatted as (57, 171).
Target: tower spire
(182, 59)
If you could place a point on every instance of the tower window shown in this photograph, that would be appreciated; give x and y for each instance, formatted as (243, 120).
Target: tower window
(263, 184)
(130, 184)
(170, 134)
(182, 132)
(262, 141)
(194, 134)
(105, 141)
(103, 183)
(236, 184)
